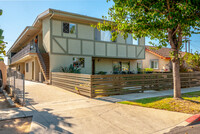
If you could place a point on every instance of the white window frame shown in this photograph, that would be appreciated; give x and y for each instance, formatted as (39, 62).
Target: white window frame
(154, 60)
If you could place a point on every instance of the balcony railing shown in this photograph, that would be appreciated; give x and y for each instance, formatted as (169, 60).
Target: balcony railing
(25, 51)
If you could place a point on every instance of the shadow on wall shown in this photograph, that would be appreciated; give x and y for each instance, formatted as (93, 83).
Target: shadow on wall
(3, 75)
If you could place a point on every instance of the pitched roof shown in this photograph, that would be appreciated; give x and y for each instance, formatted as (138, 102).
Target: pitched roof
(163, 53)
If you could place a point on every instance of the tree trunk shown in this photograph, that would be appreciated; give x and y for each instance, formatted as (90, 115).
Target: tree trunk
(176, 78)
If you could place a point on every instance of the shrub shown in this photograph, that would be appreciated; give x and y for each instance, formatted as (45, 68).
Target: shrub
(148, 70)
(70, 69)
(101, 72)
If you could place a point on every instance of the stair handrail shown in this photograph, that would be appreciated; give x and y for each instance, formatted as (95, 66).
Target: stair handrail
(40, 58)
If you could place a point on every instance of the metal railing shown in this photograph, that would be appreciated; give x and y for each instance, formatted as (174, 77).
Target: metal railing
(16, 85)
(25, 51)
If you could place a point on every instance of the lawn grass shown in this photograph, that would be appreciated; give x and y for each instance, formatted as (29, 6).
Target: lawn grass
(190, 103)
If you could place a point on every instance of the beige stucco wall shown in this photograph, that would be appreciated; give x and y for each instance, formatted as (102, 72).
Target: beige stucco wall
(85, 32)
(28, 75)
(106, 65)
(37, 70)
(4, 72)
(22, 68)
(46, 34)
(57, 61)
(162, 63)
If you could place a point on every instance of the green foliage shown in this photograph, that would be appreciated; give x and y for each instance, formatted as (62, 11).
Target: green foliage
(189, 103)
(166, 21)
(192, 60)
(70, 69)
(2, 43)
(161, 20)
(102, 73)
(148, 70)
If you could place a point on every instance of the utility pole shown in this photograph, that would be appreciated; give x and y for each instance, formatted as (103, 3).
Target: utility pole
(188, 46)
(185, 43)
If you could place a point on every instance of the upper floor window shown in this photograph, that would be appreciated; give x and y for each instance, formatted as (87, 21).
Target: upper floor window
(103, 35)
(69, 28)
(130, 40)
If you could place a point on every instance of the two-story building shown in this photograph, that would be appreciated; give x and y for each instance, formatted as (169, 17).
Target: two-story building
(57, 39)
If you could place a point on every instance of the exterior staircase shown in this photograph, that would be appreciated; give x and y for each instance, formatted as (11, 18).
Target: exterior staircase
(43, 60)
(45, 57)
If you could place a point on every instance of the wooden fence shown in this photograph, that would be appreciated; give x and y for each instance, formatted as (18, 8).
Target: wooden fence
(78, 83)
(104, 85)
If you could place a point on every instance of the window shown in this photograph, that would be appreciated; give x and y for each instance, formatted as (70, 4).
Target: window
(106, 36)
(139, 64)
(121, 66)
(69, 28)
(26, 67)
(154, 64)
(125, 66)
(116, 66)
(79, 62)
(103, 35)
(130, 40)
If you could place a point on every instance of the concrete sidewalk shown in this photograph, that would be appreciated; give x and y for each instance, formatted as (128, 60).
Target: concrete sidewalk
(146, 94)
(60, 111)
(13, 113)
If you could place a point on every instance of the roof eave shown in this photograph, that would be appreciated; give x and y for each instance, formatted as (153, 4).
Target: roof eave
(160, 56)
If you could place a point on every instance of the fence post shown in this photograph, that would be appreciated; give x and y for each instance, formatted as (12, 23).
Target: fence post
(23, 90)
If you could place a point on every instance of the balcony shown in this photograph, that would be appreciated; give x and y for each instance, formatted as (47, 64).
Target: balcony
(26, 51)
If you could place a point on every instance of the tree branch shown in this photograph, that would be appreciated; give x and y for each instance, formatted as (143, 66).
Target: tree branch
(176, 30)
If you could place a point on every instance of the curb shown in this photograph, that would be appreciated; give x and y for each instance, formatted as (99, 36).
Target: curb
(191, 120)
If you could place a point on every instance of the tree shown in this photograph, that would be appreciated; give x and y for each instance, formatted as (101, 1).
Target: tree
(166, 21)
(192, 60)
(2, 43)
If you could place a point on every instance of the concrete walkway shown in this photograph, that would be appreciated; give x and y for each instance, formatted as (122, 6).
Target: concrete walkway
(58, 111)
(146, 94)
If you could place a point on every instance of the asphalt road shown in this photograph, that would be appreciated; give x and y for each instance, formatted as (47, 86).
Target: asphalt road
(193, 129)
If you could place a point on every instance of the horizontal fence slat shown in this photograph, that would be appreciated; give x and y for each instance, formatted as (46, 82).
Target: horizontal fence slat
(95, 85)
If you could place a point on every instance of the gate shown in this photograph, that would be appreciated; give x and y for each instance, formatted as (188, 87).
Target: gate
(16, 85)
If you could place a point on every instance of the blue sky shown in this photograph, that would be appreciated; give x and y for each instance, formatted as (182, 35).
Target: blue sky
(17, 14)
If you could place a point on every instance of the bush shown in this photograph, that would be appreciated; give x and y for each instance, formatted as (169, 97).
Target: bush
(148, 70)
(70, 69)
(102, 73)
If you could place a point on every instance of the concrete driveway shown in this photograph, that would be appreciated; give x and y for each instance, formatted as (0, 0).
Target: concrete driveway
(67, 112)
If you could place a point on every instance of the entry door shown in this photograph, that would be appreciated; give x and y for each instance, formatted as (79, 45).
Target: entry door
(32, 70)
